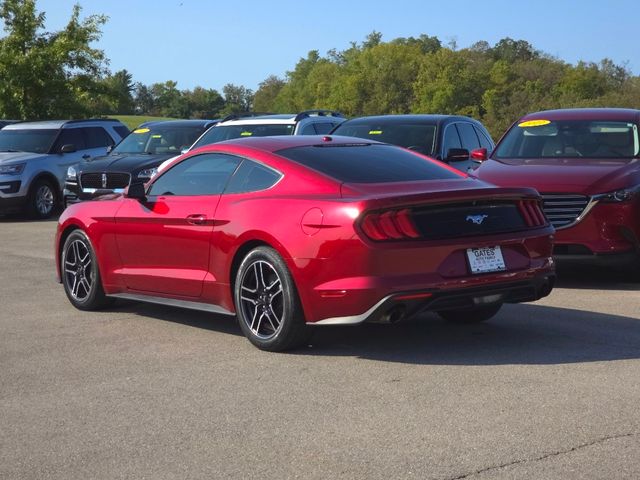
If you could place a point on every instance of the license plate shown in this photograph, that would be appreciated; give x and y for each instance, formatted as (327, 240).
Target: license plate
(487, 259)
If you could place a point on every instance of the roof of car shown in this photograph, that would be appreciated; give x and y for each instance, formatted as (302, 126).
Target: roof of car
(280, 142)
(55, 124)
(417, 118)
(585, 114)
(180, 123)
(250, 118)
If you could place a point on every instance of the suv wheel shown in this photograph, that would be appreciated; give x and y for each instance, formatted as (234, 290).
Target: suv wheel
(267, 303)
(43, 199)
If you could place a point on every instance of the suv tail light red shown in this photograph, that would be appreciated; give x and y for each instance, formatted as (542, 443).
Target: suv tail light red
(390, 225)
(532, 213)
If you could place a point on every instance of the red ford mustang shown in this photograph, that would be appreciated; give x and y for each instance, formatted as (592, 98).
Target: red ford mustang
(585, 162)
(285, 232)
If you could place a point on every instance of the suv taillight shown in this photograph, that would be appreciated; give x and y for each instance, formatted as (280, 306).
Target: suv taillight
(390, 225)
(532, 213)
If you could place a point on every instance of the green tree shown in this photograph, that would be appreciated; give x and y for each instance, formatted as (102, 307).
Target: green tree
(203, 102)
(268, 90)
(237, 99)
(46, 75)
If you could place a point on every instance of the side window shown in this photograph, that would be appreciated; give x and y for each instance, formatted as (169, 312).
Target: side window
(308, 130)
(450, 139)
(252, 177)
(122, 131)
(73, 136)
(485, 139)
(322, 128)
(97, 137)
(468, 136)
(205, 174)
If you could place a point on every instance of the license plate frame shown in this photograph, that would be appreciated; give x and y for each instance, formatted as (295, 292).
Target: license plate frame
(486, 260)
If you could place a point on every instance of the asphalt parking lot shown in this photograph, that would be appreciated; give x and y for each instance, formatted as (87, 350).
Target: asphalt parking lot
(544, 390)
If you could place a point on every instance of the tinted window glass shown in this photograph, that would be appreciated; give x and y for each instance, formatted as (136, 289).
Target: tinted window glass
(450, 140)
(323, 128)
(308, 130)
(367, 163)
(122, 131)
(252, 177)
(417, 136)
(27, 140)
(205, 174)
(485, 139)
(570, 139)
(73, 136)
(468, 136)
(97, 137)
(228, 132)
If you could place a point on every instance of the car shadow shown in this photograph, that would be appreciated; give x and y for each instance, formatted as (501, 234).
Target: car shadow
(591, 277)
(525, 334)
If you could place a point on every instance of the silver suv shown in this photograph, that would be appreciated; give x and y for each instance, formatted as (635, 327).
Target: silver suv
(34, 157)
(310, 122)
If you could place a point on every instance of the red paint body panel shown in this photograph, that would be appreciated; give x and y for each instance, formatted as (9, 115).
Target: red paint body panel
(609, 227)
(312, 221)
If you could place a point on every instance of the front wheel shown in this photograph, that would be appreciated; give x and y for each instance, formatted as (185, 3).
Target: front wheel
(43, 200)
(471, 315)
(267, 304)
(80, 275)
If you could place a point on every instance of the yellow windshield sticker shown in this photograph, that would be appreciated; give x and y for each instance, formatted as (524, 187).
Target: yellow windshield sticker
(156, 136)
(246, 134)
(534, 123)
(141, 130)
(375, 132)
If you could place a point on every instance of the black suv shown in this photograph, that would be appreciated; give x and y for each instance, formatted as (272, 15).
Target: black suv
(459, 141)
(136, 157)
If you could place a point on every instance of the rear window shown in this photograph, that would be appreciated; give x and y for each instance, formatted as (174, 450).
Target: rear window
(367, 163)
(570, 139)
(229, 132)
(415, 136)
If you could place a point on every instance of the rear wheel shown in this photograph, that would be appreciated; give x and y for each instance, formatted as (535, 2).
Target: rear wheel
(471, 315)
(267, 303)
(43, 199)
(80, 275)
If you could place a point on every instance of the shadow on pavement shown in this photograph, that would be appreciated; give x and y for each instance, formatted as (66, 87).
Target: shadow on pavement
(526, 334)
(597, 278)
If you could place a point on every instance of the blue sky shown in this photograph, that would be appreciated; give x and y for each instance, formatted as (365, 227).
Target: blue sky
(214, 42)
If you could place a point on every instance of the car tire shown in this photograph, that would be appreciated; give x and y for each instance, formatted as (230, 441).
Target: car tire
(267, 304)
(80, 274)
(43, 200)
(471, 315)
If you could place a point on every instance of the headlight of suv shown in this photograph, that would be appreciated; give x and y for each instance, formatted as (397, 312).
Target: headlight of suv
(15, 169)
(72, 174)
(622, 195)
(148, 172)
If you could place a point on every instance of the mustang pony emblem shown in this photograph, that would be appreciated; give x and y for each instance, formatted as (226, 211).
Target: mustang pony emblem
(477, 219)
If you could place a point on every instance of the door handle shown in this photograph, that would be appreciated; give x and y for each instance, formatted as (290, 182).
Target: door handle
(197, 219)
(86, 156)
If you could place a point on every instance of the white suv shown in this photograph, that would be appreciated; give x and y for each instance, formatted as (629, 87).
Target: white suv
(310, 122)
(34, 157)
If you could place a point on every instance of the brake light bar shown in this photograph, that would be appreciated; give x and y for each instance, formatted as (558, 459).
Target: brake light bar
(390, 225)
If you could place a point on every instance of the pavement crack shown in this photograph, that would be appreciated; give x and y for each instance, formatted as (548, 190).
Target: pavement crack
(545, 456)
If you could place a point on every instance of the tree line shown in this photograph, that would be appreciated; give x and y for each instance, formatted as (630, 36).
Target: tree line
(60, 75)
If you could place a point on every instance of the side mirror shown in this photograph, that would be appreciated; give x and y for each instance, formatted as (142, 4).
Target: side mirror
(479, 154)
(457, 154)
(137, 191)
(184, 150)
(68, 148)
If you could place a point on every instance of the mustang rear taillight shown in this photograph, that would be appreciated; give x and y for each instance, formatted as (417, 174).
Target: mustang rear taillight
(532, 213)
(390, 225)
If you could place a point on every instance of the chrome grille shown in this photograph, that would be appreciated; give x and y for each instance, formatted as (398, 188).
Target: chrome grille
(562, 210)
(114, 180)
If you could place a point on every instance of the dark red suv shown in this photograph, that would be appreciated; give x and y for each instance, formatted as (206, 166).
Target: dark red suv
(585, 163)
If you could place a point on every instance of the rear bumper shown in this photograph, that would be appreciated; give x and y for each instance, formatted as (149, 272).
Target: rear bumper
(404, 304)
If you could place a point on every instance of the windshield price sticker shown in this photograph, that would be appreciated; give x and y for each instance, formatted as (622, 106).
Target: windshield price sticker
(487, 259)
